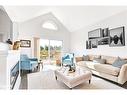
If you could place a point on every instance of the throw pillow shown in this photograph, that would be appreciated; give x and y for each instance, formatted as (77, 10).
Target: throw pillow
(85, 58)
(119, 62)
(98, 60)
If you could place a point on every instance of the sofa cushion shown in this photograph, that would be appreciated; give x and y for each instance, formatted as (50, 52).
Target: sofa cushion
(124, 58)
(91, 57)
(119, 62)
(108, 69)
(85, 58)
(98, 60)
(91, 64)
(80, 63)
(87, 64)
(78, 59)
(109, 59)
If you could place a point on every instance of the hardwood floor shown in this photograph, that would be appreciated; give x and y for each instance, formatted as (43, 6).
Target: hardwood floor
(24, 81)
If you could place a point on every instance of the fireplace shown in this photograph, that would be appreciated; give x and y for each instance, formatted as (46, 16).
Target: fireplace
(14, 75)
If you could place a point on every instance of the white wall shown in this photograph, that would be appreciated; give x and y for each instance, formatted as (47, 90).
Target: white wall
(15, 31)
(5, 26)
(33, 28)
(79, 37)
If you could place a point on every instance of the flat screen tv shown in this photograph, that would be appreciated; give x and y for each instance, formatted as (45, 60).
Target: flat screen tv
(94, 34)
(117, 37)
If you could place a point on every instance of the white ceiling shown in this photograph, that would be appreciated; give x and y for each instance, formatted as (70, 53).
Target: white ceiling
(73, 17)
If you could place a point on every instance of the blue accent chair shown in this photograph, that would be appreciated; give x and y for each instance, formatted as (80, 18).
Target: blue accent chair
(28, 63)
(68, 59)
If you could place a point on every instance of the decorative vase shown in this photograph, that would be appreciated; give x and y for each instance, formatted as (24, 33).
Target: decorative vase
(16, 45)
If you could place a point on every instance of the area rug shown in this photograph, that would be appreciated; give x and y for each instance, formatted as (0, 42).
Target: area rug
(45, 79)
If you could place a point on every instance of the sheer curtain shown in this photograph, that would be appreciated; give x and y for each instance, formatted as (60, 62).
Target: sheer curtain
(37, 47)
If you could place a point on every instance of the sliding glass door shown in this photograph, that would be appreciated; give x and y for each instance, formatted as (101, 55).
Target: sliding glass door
(55, 51)
(44, 50)
(50, 51)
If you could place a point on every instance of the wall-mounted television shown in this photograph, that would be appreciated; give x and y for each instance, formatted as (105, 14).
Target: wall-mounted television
(95, 34)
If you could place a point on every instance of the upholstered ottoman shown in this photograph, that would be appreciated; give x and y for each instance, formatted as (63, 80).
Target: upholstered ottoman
(72, 79)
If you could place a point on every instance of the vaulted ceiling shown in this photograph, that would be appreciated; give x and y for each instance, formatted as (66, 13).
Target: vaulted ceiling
(72, 17)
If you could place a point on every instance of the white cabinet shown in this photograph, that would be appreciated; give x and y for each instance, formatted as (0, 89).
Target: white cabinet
(3, 69)
(8, 60)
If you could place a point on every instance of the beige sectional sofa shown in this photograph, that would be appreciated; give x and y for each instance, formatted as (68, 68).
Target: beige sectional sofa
(107, 71)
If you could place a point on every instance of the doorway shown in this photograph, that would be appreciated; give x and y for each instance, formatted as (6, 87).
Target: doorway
(51, 51)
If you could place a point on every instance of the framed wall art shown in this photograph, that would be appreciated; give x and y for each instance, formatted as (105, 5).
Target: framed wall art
(94, 43)
(88, 44)
(94, 34)
(117, 37)
(105, 32)
(103, 41)
(25, 43)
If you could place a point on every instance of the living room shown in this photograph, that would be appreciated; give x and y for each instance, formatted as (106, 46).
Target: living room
(79, 30)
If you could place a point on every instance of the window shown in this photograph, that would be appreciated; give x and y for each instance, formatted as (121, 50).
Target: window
(49, 25)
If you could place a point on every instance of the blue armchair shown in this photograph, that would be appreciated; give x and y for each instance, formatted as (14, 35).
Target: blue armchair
(68, 59)
(28, 63)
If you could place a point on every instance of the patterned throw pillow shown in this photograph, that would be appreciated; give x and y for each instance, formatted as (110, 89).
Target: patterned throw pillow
(119, 62)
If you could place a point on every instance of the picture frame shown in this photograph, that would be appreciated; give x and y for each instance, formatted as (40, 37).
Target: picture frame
(25, 43)
(117, 37)
(95, 34)
(94, 43)
(105, 32)
(88, 44)
(103, 41)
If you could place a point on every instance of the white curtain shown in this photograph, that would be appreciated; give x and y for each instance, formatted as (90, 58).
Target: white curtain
(37, 47)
